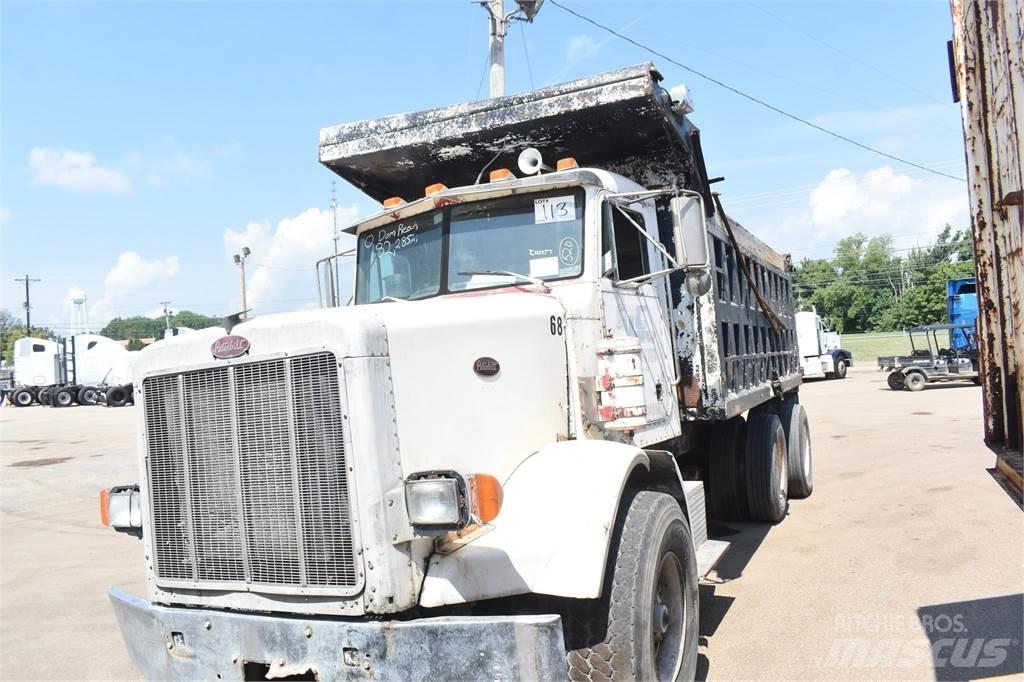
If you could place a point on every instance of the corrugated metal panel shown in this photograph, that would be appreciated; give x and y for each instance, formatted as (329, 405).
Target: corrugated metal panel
(989, 70)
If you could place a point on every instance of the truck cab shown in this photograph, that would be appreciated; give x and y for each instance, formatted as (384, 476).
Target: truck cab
(543, 364)
(821, 355)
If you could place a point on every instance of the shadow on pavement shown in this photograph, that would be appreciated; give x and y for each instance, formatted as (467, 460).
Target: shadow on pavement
(744, 539)
(976, 639)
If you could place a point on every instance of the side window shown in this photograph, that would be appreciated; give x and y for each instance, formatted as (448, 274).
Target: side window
(38, 348)
(624, 249)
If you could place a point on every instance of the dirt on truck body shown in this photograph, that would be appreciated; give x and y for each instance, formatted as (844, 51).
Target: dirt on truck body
(987, 64)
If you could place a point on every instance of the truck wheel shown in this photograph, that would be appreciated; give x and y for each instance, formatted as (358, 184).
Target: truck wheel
(798, 449)
(62, 398)
(840, 369)
(896, 380)
(117, 396)
(651, 630)
(87, 395)
(726, 483)
(767, 473)
(22, 397)
(916, 381)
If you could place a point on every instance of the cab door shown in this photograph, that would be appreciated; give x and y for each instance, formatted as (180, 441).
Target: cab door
(638, 365)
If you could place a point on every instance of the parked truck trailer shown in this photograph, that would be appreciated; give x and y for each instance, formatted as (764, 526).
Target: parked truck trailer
(494, 465)
(987, 65)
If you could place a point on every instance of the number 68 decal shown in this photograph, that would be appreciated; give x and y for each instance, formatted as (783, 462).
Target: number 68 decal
(556, 325)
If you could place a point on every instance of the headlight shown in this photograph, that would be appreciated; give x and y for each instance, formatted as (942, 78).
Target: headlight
(434, 502)
(121, 509)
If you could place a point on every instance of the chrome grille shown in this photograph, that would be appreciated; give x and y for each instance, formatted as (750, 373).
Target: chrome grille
(248, 480)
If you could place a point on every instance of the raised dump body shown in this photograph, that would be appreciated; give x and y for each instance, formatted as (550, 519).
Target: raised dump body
(740, 348)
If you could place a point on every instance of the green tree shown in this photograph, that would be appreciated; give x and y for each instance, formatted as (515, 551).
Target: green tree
(12, 329)
(140, 327)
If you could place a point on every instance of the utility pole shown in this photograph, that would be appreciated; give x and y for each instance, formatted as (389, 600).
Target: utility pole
(167, 314)
(28, 302)
(498, 23)
(240, 262)
(498, 29)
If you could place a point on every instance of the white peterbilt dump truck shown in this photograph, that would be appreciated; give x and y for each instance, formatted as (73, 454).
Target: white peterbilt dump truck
(493, 464)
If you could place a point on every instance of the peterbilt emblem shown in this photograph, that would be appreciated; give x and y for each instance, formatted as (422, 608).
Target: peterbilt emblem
(486, 367)
(230, 346)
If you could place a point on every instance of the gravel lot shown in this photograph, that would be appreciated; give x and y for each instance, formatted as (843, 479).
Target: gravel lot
(907, 544)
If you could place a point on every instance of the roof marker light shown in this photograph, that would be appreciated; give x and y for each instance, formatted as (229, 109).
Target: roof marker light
(434, 189)
(501, 174)
(568, 163)
(392, 202)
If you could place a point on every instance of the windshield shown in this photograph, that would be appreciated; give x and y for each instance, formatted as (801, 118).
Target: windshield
(539, 236)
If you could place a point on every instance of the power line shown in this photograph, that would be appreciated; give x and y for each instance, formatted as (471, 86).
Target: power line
(756, 100)
(840, 51)
(526, 51)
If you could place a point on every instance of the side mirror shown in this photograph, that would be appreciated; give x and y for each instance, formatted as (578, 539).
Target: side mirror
(690, 231)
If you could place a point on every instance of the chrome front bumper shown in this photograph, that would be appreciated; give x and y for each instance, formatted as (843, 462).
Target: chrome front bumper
(176, 643)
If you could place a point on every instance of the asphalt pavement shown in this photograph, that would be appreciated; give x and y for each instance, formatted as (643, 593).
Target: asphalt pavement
(906, 562)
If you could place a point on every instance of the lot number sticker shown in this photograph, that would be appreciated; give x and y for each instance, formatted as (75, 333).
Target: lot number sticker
(554, 209)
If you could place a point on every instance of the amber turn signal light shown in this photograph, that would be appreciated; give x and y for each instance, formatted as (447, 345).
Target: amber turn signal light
(487, 496)
(105, 506)
(501, 174)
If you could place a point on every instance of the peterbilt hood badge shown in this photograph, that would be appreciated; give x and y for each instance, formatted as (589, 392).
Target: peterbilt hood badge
(486, 367)
(230, 346)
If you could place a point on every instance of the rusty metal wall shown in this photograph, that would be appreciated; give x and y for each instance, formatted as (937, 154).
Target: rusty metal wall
(989, 79)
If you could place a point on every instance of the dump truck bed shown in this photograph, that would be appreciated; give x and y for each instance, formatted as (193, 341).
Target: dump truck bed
(626, 110)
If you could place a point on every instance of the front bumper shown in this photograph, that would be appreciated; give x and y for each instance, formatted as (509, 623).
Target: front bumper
(187, 643)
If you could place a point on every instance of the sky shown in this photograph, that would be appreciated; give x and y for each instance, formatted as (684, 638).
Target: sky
(142, 144)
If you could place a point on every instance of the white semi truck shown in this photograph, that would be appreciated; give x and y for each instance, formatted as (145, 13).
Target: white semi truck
(493, 465)
(821, 355)
(82, 369)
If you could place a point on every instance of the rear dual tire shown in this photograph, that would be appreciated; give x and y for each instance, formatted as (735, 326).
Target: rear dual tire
(767, 468)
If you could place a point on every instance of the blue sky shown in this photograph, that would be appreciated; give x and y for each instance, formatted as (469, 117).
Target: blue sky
(142, 143)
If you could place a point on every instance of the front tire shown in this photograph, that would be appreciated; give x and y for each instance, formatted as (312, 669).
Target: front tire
(916, 381)
(22, 397)
(652, 607)
(840, 369)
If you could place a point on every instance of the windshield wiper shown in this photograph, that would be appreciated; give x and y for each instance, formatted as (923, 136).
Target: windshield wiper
(508, 273)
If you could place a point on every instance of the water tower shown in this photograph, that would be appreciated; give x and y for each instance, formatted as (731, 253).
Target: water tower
(79, 314)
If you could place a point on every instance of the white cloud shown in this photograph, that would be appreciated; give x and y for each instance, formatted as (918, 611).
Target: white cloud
(131, 275)
(911, 208)
(75, 170)
(5, 214)
(580, 47)
(283, 257)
